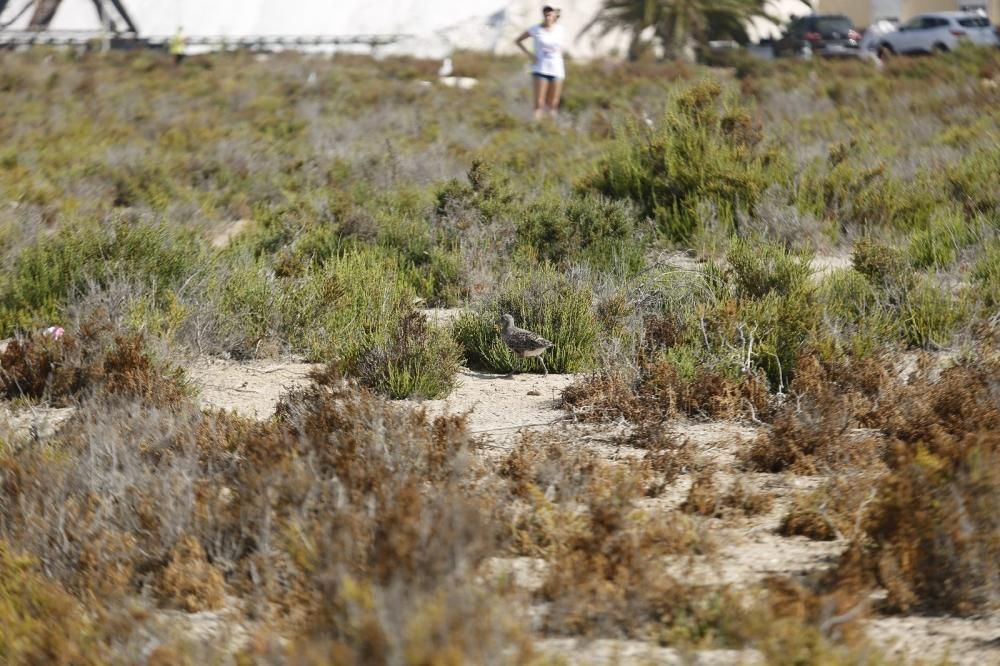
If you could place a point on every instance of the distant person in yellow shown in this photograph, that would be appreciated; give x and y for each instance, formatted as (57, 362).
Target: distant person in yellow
(547, 69)
(177, 44)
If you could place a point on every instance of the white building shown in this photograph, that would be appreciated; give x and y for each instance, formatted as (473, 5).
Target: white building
(437, 27)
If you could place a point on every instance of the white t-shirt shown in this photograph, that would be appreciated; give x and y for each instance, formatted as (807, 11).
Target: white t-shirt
(548, 51)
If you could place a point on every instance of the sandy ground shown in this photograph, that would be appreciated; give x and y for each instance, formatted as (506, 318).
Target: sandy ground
(250, 388)
(500, 407)
(33, 422)
(824, 264)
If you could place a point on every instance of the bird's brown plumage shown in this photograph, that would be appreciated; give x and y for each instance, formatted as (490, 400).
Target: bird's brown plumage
(523, 342)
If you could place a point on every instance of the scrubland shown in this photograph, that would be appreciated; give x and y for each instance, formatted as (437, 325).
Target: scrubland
(802, 257)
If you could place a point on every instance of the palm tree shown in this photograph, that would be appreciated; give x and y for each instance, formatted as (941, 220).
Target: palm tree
(680, 25)
(632, 16)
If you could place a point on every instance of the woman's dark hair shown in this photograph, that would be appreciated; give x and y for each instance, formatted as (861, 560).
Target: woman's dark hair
(548, 8)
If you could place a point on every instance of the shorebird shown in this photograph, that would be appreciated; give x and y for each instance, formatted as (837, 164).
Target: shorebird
(521, 342)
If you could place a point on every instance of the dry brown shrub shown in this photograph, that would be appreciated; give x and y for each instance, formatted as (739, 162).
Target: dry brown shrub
(709, 394)
(661, 393)
(811, 432)
(963, 399)
(190, 582)
(602, 397)
(41, 623)
(602, 578)
(669, 457)
(803, 616)
(578, 512)
(107, 564)
(930, 536)
(804, 519)
(33, 368)
(563, 471)
(744, 499)
(343, 511)
(165, 655)
(550, 481)
(832, 511)
(128, 370)
(705, 498)
(59, 371)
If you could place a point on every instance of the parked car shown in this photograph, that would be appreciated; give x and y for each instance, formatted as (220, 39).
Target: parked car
(820, 34)
(939, 32)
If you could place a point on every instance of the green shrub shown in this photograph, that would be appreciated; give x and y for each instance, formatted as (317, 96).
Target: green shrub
(706, 147)
(884, 266)
(925, 315)
(427, 256)
(855, 318)
(937, 245)
(326, 313)
(930, 315)
(856, 190)
(486, 196)
(764, 302)
(414, 360)
(358, 298)
(45, 274)
(974, 182)
(585, 229)
(759, 268)
(542, 301)
(986, 273)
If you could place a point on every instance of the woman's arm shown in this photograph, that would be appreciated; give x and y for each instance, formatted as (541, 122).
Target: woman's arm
(520, 44)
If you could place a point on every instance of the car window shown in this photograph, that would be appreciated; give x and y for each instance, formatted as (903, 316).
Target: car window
(828, 24)
(914, 24)
(974, 22)
(928, 22)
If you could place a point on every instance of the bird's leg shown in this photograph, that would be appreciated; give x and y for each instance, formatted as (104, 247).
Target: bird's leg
(543, 366)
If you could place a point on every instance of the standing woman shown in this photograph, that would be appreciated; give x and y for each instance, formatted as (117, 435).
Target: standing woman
(547, 70)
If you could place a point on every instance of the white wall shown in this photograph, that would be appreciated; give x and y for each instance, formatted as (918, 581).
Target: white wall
(438, 25)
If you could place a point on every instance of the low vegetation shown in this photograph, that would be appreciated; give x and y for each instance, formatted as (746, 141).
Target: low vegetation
(809, 248)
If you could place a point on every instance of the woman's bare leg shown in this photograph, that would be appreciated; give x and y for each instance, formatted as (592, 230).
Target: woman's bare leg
(541, 93)
(554, 93)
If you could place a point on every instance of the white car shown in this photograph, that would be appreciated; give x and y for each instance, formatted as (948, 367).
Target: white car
(939, 32)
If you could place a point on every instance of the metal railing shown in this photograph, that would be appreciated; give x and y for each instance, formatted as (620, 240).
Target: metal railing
(17, 38)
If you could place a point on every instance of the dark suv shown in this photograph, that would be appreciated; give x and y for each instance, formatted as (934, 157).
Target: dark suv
(822, 34)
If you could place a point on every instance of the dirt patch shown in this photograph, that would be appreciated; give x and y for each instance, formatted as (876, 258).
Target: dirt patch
(442, 316)
(32, 422)
(500, 406)
(250, 388)
(229, 232)
(607, 651)
(963, 642)
(825, 264)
